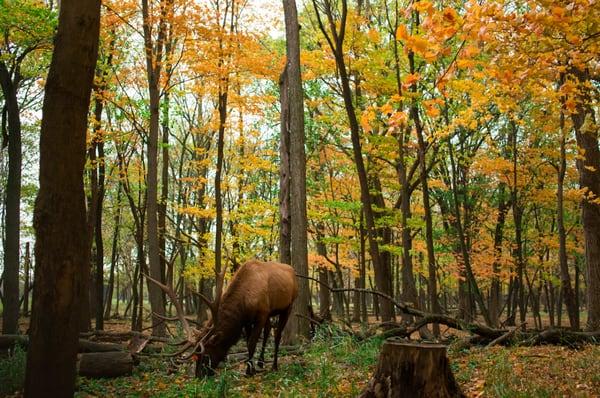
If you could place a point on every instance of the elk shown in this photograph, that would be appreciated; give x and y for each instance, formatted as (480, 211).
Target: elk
(257, 292)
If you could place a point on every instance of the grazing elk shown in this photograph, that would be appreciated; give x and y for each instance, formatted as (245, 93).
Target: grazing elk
(257, 292)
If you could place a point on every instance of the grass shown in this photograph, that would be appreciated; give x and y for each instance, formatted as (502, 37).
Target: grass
(12, 371)
(337, 365)
(334, 364)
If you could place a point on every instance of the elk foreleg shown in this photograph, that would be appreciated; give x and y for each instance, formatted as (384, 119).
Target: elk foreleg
(283, 318)
(266, 332)
(252, 340)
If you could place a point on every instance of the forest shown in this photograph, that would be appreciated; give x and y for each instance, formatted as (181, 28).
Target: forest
(255, 198)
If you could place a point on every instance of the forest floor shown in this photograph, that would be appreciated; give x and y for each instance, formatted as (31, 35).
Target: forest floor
(336, 364)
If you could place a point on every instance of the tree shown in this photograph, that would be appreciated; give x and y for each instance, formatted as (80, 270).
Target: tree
(294, 99)
(60, 215)
(154, 61)
(20, 44)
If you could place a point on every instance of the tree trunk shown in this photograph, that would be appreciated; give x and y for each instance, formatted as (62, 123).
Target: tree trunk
(412, 370)
(565, 278)
(495, 289)
(586, 132)
(285, 236)
(12, 220)
(27, 281)
(60, 214)
(297, 327)
(154, 59)
(114, 256)
(431, 267)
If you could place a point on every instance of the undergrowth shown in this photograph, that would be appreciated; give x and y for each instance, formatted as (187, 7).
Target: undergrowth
(12, 371)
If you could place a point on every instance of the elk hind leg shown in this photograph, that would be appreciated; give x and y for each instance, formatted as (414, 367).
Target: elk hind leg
(266, 332)
(283, 318)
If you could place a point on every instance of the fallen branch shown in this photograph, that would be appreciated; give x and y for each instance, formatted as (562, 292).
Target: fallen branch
(505, 336)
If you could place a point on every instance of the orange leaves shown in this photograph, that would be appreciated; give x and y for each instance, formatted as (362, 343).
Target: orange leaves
(410, 79)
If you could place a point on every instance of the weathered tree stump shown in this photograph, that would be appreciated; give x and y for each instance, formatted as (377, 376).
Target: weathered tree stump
(105, 364)
(412, 370)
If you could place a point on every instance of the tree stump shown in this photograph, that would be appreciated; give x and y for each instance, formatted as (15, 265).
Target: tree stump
(412, 370)
(105, 364)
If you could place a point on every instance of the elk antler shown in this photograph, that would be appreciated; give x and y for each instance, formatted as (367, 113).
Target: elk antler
(191, 333)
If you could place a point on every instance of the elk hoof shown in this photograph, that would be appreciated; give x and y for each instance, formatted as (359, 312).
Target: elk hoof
(250, 370)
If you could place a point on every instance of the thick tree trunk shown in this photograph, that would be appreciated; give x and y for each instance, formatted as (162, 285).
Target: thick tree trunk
(297, 326)
(412, 370)
(60, 219)
(586, 132)
(12, 220)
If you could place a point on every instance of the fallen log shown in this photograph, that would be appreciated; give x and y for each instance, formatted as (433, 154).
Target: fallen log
(412, 370)
(105, 364)
(562, 337)
(10, 340)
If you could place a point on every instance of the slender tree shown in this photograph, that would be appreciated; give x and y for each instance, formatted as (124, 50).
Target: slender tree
(299, 224)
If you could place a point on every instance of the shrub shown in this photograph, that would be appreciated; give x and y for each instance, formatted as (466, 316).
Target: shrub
(12, 371)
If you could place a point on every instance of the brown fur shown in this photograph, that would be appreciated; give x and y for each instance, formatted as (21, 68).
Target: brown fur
(258, 291)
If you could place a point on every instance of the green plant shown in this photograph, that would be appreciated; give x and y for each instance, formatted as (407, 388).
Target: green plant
(12, 371)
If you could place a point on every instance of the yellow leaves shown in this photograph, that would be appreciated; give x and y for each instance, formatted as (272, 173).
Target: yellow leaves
(398, 120)
(402, 33)
(558, 12)
(417, 44)
(431, 109)
(571, 105)
(449, 15)
(410, 79)
(422, 6)
(366, 118)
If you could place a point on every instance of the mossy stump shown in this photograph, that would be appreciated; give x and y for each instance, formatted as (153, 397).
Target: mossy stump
(412, 370)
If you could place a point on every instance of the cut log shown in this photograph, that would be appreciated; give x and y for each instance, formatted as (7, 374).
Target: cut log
(9, 340)
(105, 364)
(412, 370)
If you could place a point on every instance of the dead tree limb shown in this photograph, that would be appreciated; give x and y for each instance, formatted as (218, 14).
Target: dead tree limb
(505, 336)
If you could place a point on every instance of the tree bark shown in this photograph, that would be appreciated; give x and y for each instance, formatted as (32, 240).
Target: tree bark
(27, 282)
(60, 215)
(105, 364)
(154, 59)
(565, 278)
(495, 288)
(297, 326)
(586, 132)
(285, 243)
(12, 215)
